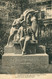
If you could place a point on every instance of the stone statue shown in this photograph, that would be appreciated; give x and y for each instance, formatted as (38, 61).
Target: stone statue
(24, 31)
(30, 30)
(13, 37)
(30, 36)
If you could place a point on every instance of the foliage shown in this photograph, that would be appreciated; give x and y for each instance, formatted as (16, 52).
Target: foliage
(3, 38)
(1, 50)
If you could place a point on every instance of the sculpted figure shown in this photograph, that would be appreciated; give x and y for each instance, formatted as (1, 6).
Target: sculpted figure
(30, 36)
(22, 32)
(13, 37)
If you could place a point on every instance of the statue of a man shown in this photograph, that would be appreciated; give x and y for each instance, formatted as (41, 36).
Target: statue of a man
(13, 32)
(31, 34)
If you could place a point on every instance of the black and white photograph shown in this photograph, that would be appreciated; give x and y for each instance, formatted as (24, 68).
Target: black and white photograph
(25, 39)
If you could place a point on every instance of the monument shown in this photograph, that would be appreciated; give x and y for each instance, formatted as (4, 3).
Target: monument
(29, 57)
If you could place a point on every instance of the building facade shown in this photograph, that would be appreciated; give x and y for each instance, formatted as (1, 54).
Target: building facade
(44, 8)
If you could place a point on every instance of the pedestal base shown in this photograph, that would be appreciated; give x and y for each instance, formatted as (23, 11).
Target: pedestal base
(15, 49)
(31, 49)
(33, 63)
(41, 49)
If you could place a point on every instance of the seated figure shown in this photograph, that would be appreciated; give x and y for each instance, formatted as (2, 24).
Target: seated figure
(22, 32)
(30, 36)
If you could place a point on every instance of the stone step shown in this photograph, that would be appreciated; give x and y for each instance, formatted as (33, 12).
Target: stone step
(41, 49)
(14, 49)
(31, 49)
(17, 63)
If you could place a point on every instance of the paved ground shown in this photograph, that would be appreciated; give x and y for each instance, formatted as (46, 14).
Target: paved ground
(26, 76)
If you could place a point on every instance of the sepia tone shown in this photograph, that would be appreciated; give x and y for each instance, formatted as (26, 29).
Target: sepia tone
(25, 36)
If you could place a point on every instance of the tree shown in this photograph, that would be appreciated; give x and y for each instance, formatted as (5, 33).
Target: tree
(23, 4)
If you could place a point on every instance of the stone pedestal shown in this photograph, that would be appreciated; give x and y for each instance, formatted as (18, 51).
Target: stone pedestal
(17, 63)
(15, 49)
(31, 49)
(36, 60)
(41, 49)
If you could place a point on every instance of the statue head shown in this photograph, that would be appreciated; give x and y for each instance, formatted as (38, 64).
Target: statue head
(17, 22)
